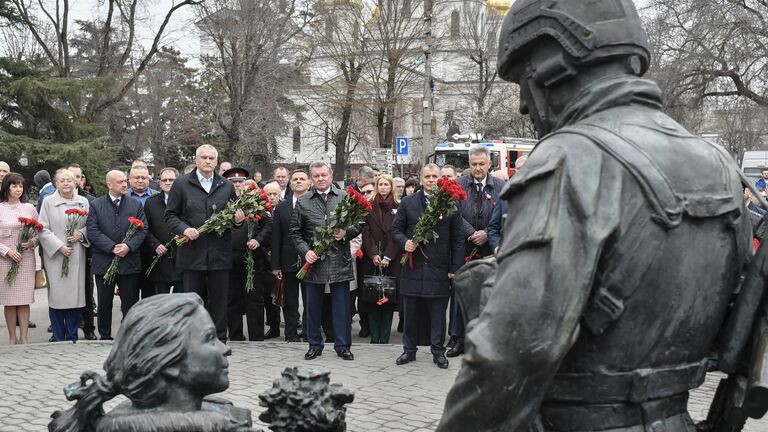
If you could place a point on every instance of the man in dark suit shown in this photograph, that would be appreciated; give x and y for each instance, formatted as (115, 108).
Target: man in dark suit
(433, 268)
(165, 274)
(205, 260)
(286, 259)
(483, 192)
(107, 225)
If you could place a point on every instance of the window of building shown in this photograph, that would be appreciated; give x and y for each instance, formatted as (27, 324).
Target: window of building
(455, 23)
(491, 45)
(297, 139)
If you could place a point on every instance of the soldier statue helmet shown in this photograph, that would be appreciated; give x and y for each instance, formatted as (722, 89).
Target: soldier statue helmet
(166, 360)
(619, 258)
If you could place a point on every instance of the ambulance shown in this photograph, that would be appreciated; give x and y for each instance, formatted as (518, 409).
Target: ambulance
(504, 153)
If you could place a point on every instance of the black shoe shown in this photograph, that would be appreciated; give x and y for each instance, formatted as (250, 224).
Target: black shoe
(255, 339)
(312, 354)
(451, 343)
(51, 339)
(364, 332)
(456, 351)
(272, 333)
(50, 329)
(32, 325)
(292, 339)
(237, 338)
(440, 361)
(405, 358)
(89, 335)
(106, 338)
(346, 355)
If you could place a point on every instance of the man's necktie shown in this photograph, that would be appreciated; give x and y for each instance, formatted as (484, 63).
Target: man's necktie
(325, 196)
(479, 187)
(117, 202)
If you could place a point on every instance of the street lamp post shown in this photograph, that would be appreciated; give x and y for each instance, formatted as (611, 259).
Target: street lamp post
(426, 122)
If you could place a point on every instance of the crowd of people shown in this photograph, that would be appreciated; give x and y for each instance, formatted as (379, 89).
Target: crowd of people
(173, 206)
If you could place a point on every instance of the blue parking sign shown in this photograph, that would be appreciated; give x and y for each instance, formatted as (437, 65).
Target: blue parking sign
(402, 145)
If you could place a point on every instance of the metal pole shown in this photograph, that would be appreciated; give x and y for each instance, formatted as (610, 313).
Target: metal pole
(426, 122)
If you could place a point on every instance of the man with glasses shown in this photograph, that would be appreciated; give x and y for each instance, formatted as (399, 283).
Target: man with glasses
(165, 274)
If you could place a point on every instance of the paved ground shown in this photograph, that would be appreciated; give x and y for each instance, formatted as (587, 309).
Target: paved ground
(387, 397)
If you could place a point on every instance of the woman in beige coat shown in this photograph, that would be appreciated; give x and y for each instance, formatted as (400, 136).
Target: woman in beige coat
(66, 294)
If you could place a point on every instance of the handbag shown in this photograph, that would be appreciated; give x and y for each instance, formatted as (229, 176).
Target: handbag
(378, 287)
(41, 281)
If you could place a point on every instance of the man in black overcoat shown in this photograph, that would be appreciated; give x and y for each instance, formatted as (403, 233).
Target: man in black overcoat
(433, 266)
(205, 260)
(286, 259)
(165, 274)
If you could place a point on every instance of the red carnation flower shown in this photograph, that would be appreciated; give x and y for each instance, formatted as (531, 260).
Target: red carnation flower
(359, 254)
(252, 186)
(268, 206)
(137, 222)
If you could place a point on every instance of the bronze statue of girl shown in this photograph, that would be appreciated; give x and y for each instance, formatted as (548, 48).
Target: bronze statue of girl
(166, 360)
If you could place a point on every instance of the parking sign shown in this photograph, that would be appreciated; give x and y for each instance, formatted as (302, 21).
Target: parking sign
(402, 145)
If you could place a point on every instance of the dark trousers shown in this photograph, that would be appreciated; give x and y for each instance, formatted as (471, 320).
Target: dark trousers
(146, 286)
(236, 300)
(380, 321)
(129, 296)
(212, 285)
(272, 311)
(292, 287)
(88, 313)
(342, 317)
(435, 309)
(456, 328)
(165, 287)
(64, 323)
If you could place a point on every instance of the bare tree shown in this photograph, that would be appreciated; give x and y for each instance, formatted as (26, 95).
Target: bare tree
(396, 35)
(741, 125)
(476, 42)
(339, 60)
(121, 16)
(718, 48)
(258, 55)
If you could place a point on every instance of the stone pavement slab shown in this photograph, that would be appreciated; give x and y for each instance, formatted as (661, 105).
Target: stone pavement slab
(387, 397)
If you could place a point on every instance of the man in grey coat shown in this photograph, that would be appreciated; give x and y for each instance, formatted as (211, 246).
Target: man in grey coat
(313, 211)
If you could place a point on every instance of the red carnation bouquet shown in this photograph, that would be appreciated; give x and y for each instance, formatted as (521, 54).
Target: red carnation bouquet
(250, 202)
(352, 209)
(29, 228)
(74, 217)
(441, 204)
(135, 224)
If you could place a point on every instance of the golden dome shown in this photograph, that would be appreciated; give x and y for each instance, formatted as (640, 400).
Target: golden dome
(498, 6)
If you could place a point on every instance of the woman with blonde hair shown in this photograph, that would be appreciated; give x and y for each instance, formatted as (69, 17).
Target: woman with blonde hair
(66, 292)
(381, 256)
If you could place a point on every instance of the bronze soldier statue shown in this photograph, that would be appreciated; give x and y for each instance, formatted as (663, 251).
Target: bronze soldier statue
(625, 239)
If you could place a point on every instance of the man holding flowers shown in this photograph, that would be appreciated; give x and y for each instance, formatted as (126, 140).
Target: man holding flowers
(430, 261)
(205, 259)
(313, 212)
(109, 220)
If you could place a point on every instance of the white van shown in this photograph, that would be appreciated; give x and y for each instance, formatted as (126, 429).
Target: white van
(753, 163)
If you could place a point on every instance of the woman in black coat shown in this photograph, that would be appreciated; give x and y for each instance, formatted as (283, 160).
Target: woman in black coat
(380, 252)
